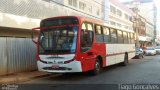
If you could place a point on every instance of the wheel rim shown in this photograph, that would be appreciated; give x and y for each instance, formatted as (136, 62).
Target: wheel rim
(97, 66)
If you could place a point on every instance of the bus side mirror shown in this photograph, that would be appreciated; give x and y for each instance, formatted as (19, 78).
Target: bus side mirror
(35, 33)
(34, 39)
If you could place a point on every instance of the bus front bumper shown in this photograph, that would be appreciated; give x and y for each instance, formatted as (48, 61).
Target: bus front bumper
(74, 66)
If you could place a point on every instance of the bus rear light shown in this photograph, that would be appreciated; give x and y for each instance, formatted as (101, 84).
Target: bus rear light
(65, 62)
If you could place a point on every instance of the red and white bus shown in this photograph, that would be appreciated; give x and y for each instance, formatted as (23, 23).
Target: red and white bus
(78, 44)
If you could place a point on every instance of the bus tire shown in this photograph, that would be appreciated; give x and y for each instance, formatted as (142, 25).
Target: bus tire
(97, 67)
(125, 63)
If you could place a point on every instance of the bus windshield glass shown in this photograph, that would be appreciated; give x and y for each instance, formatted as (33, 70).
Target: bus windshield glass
(58, 40)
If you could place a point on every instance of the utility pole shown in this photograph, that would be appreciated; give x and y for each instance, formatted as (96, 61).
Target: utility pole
(137, 29)
(155, 22)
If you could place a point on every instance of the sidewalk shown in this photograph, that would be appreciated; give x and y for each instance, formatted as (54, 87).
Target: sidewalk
(20, 77)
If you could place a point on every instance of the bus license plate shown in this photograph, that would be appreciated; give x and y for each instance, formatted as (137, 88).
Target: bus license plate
(55, 67)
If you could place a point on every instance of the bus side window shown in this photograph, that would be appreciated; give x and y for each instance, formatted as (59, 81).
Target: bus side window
(86, 37)
(129, 38)
(125, 37)
(113, 36)
(84, 28)
(120, 37)
(99, 33)
(106, 33)
(132, 38)
(90, 34)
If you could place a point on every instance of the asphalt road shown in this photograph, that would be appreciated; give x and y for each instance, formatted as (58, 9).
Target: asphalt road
(139, 71)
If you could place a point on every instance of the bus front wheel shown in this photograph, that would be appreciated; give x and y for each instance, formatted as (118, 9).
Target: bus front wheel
(97, 67)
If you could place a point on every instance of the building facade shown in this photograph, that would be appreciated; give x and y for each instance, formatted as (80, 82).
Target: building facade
(119, 16)
(144, 21)
(26, 14)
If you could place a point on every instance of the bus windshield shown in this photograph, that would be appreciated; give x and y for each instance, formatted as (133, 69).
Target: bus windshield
(58, 40)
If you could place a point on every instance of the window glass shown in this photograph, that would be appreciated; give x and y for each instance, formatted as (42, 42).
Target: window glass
(82, 5)
(90, 27)
(72, 3)
(90, 9)
(131, 35)
(112, 9)
(106, 33)
(86, 37)
(120, 36)
(98, 29)
(129, 38)
(84, 26)
(132, 38)
(98, 12)
(113, 36)
(125, 36)
(58, 40)
(119, 13)
(99, 35)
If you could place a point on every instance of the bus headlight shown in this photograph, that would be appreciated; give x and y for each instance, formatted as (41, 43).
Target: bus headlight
(66, 62)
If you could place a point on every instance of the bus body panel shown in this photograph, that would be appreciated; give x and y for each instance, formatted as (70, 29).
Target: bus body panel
(88, 58)
(116, 53)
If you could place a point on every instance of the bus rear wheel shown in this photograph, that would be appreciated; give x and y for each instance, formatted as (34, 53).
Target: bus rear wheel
(125, 62)
(97, 67)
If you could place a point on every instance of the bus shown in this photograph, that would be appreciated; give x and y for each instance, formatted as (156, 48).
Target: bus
(68, 44)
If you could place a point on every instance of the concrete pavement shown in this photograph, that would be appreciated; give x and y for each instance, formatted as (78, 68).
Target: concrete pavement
(21, 77)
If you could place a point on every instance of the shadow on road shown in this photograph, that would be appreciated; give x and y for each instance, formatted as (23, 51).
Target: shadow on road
(80, 76)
